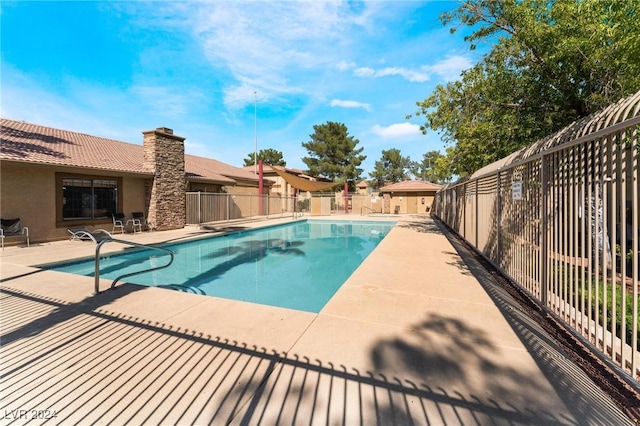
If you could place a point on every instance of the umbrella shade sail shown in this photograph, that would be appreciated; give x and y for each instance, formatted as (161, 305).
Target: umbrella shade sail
(304, 184)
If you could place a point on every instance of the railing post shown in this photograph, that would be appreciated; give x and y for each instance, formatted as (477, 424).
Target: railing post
(544, 218)
(465, 194)
(498, 216)
(97, 267)
(477, 215)
(199, 208)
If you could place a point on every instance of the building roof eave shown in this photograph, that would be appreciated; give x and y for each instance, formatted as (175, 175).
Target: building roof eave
(81, 168)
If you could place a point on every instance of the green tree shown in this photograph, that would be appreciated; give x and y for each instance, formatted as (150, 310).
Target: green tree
(269, 156)
(552, 63)
(434, 167)
(333, 153)
(392, 167)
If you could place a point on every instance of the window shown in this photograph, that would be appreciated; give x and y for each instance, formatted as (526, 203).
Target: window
(86, 198)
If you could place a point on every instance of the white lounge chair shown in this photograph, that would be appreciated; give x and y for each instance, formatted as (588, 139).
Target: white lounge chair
(118, 222)
(83, 233)
(138, 221)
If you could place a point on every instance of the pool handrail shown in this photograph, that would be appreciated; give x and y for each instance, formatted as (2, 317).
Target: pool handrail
(368, 208)
(97, 261)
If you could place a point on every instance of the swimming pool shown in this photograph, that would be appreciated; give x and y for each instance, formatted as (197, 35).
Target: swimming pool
(297, 266)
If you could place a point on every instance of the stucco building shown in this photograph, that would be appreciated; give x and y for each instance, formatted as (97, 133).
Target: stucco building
(410, 196)
(53, 179)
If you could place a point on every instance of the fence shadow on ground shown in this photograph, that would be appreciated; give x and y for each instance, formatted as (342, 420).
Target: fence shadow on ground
(88, 365)
(427, 227)
(570, 382)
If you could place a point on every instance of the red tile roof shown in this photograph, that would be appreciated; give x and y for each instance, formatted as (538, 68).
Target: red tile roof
(202, 169)
(31, 143)
(411, 186)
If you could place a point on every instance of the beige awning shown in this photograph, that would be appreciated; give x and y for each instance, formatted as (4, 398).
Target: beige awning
(304, 184)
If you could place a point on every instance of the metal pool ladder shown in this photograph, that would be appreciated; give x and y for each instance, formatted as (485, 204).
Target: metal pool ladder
(108, 240)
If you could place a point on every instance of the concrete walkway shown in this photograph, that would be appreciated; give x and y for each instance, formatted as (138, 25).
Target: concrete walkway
(419, 334)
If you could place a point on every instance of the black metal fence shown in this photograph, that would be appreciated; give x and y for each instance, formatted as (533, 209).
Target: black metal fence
(560, 218)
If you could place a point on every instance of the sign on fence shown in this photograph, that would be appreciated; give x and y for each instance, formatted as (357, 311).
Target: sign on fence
(516, 190)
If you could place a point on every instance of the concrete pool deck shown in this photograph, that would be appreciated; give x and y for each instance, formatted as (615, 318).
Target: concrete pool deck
(419, 334)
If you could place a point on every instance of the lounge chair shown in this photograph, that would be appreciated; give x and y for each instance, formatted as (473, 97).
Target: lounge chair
(118, 222)
(13, 228)
(83, 233)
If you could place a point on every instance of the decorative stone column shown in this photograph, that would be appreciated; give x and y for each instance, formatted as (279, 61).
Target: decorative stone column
(386, 204)
(165, 192)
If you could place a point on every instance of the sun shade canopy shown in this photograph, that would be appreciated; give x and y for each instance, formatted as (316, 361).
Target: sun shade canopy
(304, 184)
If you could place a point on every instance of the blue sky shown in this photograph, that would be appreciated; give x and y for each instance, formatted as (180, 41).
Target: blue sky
(221, 73)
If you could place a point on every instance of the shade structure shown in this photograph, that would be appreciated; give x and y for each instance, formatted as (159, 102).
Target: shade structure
(304, 184)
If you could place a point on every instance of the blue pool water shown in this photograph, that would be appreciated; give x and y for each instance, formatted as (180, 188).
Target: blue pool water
(298, 266)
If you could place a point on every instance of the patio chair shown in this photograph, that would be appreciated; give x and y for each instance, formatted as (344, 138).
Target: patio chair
(118, 222)
(82, 233)
(138, 221)
(13, 228)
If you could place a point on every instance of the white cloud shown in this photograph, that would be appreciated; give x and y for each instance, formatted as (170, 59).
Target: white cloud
(249, 90)
(447, 69)
(398, 130)
(451, 67)
(350, 104)
(284, 48)
(265, 45)
(87, 107)
(364, 72)
(27, 99)
(166, 101)
(407, 74)
(345, 65)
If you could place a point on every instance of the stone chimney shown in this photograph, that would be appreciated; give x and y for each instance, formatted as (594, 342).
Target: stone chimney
(165, 192)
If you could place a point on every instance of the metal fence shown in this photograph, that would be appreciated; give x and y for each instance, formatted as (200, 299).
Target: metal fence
(560, 219)
(204, 207)
(358, 204)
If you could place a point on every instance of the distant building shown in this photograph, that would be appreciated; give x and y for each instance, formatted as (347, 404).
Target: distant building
(280, 186)
(363, 188)
(410, 196)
